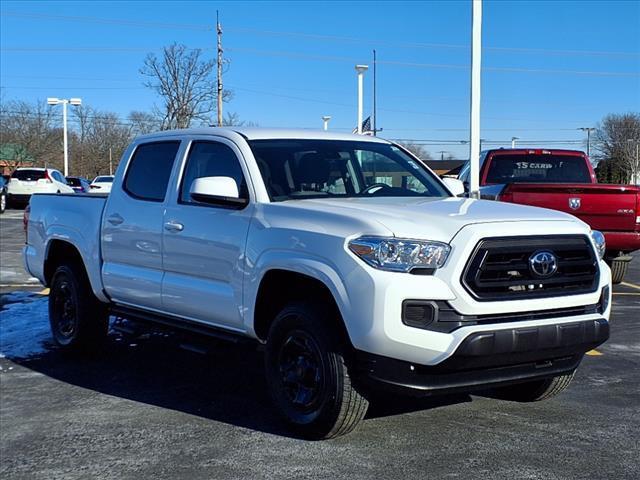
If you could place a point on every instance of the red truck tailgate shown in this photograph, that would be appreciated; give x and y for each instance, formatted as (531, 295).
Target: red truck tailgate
(604, 207)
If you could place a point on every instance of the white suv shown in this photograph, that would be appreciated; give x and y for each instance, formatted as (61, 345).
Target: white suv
(25, 182)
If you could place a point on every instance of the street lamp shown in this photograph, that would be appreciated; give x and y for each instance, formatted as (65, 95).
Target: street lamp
(588, 130)
(513, 141)
(325, 122)
(64, 102)
(360, 69)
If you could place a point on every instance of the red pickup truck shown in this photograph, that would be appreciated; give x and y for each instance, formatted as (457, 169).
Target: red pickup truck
(564, 180)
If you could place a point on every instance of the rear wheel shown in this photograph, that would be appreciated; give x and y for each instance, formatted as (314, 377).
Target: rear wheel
(79, 321)
(534, 391)
(618, 270)
(308, 376)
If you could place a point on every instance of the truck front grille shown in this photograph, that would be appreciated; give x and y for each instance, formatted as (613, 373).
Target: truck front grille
(501, 268)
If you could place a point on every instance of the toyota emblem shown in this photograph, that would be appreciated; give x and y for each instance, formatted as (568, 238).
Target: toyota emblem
(543, 264)
(574, 203)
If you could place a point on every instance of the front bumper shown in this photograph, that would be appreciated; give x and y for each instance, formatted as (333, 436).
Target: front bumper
(492, 358)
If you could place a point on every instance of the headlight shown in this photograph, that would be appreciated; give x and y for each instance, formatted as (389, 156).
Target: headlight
(599, 242)
(399, 254)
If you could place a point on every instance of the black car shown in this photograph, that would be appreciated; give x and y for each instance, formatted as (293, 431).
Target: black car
(79, 184)
(3, 194)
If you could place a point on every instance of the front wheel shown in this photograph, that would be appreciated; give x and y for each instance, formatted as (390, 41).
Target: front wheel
(535, 391)
(307, 374)
(78, 320)
(618, 270)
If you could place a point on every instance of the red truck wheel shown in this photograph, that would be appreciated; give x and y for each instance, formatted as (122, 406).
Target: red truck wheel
(618, 270)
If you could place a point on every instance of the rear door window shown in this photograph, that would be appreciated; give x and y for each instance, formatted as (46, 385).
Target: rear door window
(150, 169)
(28, 175)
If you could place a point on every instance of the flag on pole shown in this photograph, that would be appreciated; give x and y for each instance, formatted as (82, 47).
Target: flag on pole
(366, 127)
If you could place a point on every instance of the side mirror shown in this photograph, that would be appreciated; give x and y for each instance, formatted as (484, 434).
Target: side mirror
(454, 185)
(217, 191)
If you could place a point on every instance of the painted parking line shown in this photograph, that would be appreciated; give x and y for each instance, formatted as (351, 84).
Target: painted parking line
(632, 285)
(594, 353)
(633, 294)
(44, 292)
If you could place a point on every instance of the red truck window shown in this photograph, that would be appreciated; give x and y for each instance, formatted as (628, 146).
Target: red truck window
(533, 168)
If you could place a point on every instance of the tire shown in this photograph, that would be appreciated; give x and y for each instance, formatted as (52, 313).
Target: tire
(3, 202)
(79, 321)
(534, 391)
(618, 270)
(307, 373)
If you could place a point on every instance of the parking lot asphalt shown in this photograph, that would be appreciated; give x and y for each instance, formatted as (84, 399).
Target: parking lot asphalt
(147, 408)
(12, 273)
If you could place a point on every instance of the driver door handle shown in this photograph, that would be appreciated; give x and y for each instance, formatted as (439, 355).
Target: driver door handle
(173, 226)
(115, 219)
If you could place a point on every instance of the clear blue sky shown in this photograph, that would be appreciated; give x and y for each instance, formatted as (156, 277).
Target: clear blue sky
(549, 67)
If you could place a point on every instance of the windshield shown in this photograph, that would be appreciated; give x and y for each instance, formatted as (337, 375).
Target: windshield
(298, 169)
(103, 180)
(28, 175)
(538, 169)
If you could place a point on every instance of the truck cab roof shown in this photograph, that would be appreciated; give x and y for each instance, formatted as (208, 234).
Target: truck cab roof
(255, 133)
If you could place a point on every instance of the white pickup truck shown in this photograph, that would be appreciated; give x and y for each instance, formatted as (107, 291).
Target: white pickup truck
(351, 262)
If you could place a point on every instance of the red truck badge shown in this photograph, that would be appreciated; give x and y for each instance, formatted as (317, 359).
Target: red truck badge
(574, 203)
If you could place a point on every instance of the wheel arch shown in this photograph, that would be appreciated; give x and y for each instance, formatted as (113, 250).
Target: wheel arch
(61, 251)
(281, 284)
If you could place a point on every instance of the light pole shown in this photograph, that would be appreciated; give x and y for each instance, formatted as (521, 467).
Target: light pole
(588, 130)
(475, 142)
(325, 122)
(360, 69)
(64, 102)
(513, 141)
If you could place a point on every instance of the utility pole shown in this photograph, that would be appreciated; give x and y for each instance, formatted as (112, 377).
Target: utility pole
(375, 113)
(442, 152)
(110, 163)
(588, 130)
(474, 128)
(219, 92)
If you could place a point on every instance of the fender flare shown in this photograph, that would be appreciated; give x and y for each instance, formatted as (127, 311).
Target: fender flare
(91, 263)
(310, 265)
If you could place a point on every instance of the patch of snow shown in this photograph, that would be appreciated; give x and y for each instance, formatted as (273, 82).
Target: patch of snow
(24, 326)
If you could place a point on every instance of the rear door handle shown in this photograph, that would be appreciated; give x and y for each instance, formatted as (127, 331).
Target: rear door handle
(173, 226)
(115, 219)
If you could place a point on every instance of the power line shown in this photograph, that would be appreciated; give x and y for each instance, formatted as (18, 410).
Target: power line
(333, 58)
(88, 49)
(108, 21)
(360, 40)
(326, 58)
(312, 36)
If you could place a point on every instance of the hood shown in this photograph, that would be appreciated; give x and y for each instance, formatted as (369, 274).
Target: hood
(431, 218)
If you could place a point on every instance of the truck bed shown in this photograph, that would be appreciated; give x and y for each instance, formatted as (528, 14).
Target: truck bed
(604, 207)
(75, 217)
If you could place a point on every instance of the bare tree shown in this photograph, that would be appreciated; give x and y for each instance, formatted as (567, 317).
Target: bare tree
(143, 122)
(99, 135)
(185, 82)
(34, 129)
(418, 150)
(617, 143)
